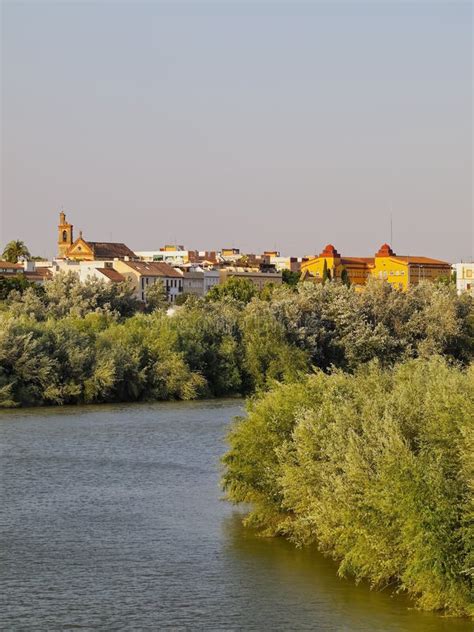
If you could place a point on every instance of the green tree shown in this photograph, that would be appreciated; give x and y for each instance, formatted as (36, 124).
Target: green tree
(326, 272)
(156, 297)
(290, 278)
(14, 250)
(13, 283)
(375, 468)
(345, 277)
(242, 290)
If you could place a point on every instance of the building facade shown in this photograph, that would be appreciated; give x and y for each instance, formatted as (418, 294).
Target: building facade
(400, 271)
(144, 274)
(198, 282)
(258, 278)
(83, 250)
(464, 278)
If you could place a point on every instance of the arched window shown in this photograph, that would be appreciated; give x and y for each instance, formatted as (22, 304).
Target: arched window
(64, 235)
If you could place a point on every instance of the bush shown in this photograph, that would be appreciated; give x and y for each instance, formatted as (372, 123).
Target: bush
(375, 468)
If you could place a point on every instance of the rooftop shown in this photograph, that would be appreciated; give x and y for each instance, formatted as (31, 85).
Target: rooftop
(112, 274)
(110, 250)
(153, 269)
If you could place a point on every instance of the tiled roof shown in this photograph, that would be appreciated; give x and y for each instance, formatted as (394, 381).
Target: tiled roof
(153, 269)
(7, 265)
(427, 261)
(39, 274)
(361, 261)
(112, 274)
(110, 250)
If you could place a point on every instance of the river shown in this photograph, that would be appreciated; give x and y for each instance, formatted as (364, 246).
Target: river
(112, 519)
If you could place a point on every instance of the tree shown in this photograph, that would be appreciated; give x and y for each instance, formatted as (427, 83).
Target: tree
(16, 282)
(345, 277)
(326, 272)
(290, 278)
(242, 290)
(156, 296)
(375, 468)
(14, 250)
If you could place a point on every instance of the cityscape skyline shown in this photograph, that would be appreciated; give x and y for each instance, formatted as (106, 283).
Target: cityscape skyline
(257, 126)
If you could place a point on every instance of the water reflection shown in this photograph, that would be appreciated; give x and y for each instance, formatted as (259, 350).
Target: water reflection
(291, 586)
(113, 521)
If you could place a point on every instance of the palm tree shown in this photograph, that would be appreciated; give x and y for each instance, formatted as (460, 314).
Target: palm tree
(14, 250)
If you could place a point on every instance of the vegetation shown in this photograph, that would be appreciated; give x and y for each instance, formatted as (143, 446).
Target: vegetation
(242, 290)
(290, 278)
(375, 468)
(15, 282)
(78, 343)
(156, 296)
(14, 250)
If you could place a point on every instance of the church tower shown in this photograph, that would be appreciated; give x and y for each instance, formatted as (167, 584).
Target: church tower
(65, 236)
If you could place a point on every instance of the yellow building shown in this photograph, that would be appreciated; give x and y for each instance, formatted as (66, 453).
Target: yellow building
(400, 271)
(82, 250)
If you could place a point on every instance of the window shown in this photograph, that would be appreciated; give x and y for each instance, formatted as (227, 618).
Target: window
(468, 274)
(64, 235)
(402, 272)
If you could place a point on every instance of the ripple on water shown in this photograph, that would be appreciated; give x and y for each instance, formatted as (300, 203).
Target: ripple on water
(112, 519)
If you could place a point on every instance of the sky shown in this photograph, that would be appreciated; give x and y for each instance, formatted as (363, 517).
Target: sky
(257, 125)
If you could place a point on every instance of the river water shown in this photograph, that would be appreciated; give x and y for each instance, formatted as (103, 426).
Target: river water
(112, 519)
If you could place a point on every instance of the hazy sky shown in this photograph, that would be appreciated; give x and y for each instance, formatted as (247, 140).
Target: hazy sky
(252, 124)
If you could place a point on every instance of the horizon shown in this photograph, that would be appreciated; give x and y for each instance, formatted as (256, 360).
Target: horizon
(264, 126)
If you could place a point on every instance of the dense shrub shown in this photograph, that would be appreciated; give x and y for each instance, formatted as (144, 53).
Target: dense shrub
(376, 468)
(75, 343)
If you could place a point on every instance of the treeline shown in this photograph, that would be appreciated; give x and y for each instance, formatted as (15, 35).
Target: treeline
(72, 343)
(376, 468)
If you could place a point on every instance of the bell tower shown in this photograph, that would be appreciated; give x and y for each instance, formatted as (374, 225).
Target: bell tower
(65, 235)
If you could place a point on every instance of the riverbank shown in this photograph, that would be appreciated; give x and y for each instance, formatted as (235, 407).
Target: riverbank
(375, 469)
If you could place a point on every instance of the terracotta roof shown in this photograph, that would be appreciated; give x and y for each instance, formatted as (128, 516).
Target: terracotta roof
(7, 265)
(385, 251)
(362, 261)
(421, 261)
(39, 274)
(329, 251)
(110, 250)
(153, 269)
(112, 274)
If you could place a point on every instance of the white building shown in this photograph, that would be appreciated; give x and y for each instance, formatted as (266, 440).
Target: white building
(198, 282)
(173, 255)
(102, 270)
(464, 277)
